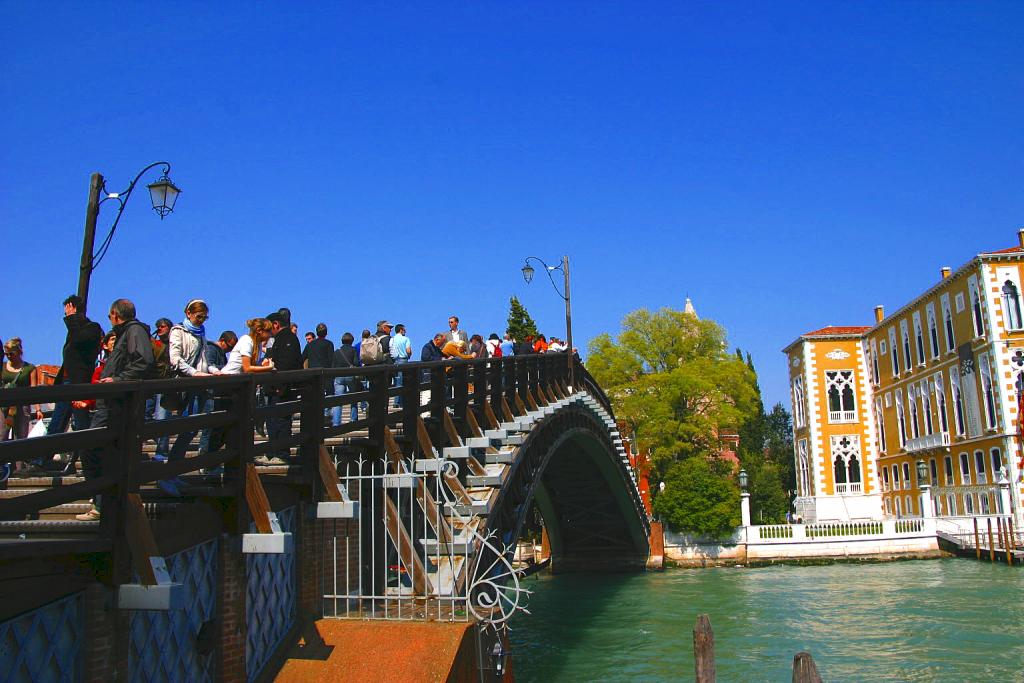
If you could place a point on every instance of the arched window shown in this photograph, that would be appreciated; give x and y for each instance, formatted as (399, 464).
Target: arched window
(901, 419)
(951, 504)
(979, 467)
(988, 391)
(958, 400)
(968, 504)
(906, 344)
(840, 470)
(899, 512)
(947, 317)
(949, 470)
(915, 426)
(908, 506)
(940, 403)
(841, 405)
(979, 322)
(965, 469)
(997, 463)
(888, 506)
(1011, 303)
(853, 470)
(926, 407)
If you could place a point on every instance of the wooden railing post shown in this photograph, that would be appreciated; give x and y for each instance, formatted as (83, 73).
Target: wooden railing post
(522, 375)
(121, 460)
(410, 399)
(977, 541)
(509, 388)
(481, 388)
(438, 401)
(377, 408)
(240, 440)
(991, 546)
(460, 385)
(703, 650)
(311, 428)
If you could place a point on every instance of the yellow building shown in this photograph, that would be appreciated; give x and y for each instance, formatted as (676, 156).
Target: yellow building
(935, 382)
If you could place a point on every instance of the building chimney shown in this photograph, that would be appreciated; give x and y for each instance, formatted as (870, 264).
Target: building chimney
(879, 313)
(946, 270)
(1020, 237)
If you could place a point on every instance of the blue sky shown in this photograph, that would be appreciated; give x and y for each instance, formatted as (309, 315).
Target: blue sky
(787, 166)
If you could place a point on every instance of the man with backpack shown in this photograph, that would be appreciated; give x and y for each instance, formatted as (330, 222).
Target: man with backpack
(131, 359)
(376, 349)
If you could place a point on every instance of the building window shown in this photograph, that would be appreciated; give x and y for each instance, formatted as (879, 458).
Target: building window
(958, 401)
(894, 355)
(799, 410)
(841, 407)
(947, 320)
(979, 467)
(940, 402)
(965, 470)
(997, 463)
(905, 336)
(933, 330)
(948, 467)
(899, 512)
(951, 504)
(888, 506)
(979, 322)
(926, 406)
(804, 481)
(895, 478)
(880, 420)
(1011, 304)
(846, 466)
(988, 391)
(885, 479)
(919, 338)
(968, 504)
(915, 426)
(906, 475)
(908, 506)
(901, 419)
(934, 472)
(876, 376)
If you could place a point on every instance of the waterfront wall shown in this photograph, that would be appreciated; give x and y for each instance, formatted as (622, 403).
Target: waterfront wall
(835, 540)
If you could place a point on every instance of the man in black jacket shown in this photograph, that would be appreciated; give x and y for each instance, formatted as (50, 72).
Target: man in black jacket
(286, 355)
(81, 346)
(131, 359)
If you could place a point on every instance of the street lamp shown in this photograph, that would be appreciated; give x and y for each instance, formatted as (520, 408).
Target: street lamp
(744, 479)
(564, 267)
(162, 194)
(922, 474)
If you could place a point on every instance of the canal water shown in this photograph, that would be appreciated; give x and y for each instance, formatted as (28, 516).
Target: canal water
(921, 620)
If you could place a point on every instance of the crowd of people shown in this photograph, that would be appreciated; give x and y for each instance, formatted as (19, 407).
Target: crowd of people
(131, 350)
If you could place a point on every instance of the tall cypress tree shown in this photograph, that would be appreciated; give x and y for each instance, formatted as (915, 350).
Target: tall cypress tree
(520, 324)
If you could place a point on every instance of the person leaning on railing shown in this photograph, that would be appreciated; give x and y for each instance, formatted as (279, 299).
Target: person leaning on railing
(16, 373)
(131, 359)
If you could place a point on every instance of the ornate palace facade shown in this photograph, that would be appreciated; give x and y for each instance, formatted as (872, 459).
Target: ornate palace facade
(937, 381)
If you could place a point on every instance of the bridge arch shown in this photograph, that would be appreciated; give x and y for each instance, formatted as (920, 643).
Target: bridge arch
(569, 466)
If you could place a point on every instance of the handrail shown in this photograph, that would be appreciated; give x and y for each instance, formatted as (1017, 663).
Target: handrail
(451, 385)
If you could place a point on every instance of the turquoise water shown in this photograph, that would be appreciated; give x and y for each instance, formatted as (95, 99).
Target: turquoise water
(922, 620)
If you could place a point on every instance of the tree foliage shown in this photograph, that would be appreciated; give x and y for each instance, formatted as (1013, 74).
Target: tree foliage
(699, 497)
(671, 380)
(520, 324)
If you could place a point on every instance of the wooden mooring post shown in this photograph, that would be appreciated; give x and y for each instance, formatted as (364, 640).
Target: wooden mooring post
(977, 542)
(804, 668)
(991, 547)
(703, 650)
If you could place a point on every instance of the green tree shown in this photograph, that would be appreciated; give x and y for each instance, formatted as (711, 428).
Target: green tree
(779, 445)
(768, 499)
(700, 498)
(520, 324)
(673, 383)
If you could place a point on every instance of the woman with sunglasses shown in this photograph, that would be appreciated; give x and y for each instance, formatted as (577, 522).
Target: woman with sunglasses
(187, 357)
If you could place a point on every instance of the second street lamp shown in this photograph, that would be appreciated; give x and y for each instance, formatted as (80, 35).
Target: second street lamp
(163, 194)
(528, 272)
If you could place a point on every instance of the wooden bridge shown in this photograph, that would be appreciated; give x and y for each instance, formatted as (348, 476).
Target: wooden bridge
(407, 512)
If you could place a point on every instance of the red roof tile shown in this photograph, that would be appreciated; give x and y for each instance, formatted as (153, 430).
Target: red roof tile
(837, 331)
(1008, 250)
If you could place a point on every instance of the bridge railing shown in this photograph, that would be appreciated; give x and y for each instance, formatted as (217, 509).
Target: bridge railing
(426, 390)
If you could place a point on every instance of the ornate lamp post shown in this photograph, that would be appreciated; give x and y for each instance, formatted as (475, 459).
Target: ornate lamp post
(924, 484)
(564, 267)
(744, 498)
(163, 194)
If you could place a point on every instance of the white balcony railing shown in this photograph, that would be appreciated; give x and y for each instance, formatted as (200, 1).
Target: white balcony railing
(851, 488)
(928, 441)
(842, 416)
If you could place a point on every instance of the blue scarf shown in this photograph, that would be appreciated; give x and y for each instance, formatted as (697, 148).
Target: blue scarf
(197, 330)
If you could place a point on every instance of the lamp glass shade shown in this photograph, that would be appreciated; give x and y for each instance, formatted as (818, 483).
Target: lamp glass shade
(527, 273)
(922, 472)
(744, 479)
(163, 193)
